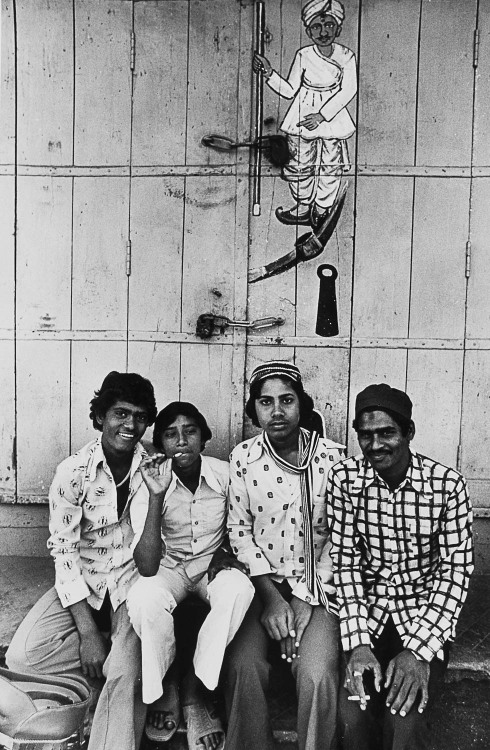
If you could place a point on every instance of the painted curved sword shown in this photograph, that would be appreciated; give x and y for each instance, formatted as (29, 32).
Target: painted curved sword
(307, 247)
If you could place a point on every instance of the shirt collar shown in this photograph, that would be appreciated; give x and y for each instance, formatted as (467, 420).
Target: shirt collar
(417, 476)
(206, 473)
(256, 449)
(99, 458)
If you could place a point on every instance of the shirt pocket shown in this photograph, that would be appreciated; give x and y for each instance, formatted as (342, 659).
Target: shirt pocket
(423, 537)
(212, 517)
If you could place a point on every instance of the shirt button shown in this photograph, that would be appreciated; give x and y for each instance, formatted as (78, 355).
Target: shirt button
(195, 523)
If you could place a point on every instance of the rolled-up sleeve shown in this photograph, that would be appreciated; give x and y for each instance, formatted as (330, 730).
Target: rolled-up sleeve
(65, 515)
(436, 621)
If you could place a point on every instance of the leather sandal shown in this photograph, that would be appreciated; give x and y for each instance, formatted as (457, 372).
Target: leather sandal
(168, 704)
(201, 720)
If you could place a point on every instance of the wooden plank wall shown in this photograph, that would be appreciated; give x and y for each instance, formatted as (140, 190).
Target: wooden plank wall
(106, 154)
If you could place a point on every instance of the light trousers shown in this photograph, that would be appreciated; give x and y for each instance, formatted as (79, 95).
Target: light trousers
(246, 680)
(315, 169)
(151, 601)
(47, 642)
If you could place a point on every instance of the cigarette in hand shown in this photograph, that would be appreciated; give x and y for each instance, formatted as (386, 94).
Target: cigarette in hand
(358, 698)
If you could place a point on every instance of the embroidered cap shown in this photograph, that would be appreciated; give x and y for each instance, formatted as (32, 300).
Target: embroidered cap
(315, 7)
(275, 369)
(383, 396)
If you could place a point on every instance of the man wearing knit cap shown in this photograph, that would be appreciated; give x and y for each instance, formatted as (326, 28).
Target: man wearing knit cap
(402, 553)
(321, 82)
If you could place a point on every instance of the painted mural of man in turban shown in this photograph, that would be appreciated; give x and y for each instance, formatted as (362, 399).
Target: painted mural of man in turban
(321, 82)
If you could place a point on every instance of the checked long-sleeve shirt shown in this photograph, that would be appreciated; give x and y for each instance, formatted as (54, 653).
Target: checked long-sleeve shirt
(406, 553)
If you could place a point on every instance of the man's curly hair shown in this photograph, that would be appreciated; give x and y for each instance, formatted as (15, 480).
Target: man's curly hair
(123, 386)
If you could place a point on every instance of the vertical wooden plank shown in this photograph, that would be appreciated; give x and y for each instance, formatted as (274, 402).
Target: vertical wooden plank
(478, 301)
(7, 83)
(205, 381)
(7, 252)
(100, 235)
(44, 253)
(43, 391)
(102, 82)
(208, 264)
(269, 239)
(476, 415)
(481, 144)
(383, 249)
(326, 378)
(160, 82)
(45, 81)
(160, 363)
(212, 103)
(155, 284)
(7, 348)
(434, 381)
(445, 92)
(91, 361)
(437, 305)
(242, 229)
(388, 81)
(372, 366)
(7, 423)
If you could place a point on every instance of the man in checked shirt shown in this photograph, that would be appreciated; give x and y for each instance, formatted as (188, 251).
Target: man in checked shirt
(403, 555)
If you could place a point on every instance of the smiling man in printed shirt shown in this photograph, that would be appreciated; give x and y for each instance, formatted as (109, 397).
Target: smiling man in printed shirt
(90, 541)
(402, 554)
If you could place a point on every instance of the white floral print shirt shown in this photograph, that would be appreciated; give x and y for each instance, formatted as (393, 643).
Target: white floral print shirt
(91, 546)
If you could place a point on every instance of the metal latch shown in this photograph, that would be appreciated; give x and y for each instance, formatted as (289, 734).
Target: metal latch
(207, 322)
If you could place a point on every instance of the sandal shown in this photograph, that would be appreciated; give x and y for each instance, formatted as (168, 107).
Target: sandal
(201, 720)
(169, 705)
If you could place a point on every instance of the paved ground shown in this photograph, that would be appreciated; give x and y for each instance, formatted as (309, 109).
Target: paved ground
(461, 720)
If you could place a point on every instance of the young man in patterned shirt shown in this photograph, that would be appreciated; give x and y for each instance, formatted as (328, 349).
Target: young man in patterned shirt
(81, 624)
(402, 553)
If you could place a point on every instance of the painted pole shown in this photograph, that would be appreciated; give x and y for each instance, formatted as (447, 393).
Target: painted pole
(259, 107)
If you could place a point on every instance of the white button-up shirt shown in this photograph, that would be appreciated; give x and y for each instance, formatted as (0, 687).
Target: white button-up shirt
(91, 546)
(193, 525)
(265, 518)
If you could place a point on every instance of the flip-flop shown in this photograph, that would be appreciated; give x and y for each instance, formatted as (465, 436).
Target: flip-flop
(201, 720)
(168, 704)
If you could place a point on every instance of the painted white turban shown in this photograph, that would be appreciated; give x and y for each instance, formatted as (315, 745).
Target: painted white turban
(314, 7)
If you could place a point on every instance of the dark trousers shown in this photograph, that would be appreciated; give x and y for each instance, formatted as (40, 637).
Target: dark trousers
(246, 679)
(377, 727)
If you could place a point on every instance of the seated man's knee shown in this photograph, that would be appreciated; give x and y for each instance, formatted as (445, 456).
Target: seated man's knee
(16, 656)
(232, 584)
(148, 601)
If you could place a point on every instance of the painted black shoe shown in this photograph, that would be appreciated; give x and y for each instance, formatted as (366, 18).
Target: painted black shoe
(293, 216)
(318, 216)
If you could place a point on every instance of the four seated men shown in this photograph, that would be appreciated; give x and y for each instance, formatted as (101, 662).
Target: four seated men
(400, 526)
